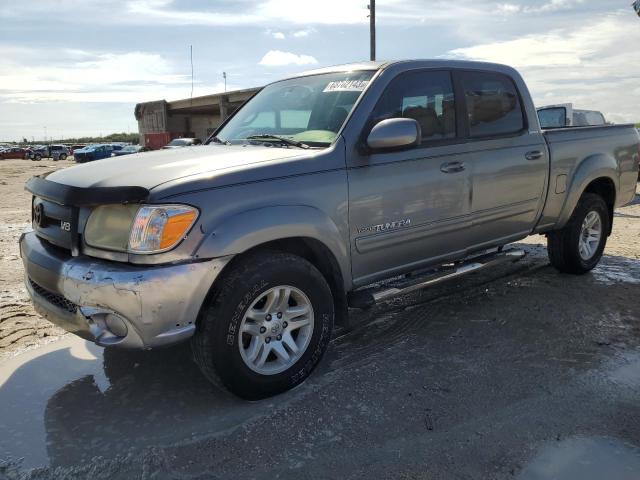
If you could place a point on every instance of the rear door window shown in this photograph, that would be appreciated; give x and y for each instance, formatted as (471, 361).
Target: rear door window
(493, 104)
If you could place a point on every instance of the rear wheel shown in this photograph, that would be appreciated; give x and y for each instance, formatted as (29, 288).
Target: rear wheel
(267, 327)
(578, 247)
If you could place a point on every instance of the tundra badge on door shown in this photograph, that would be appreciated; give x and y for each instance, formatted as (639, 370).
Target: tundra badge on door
(383, 227)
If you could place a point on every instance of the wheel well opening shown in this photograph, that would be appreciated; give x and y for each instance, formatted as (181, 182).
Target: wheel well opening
(605, 188)
(319, 255)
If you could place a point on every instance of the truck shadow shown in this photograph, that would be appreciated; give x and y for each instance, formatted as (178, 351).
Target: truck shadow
(61, 410)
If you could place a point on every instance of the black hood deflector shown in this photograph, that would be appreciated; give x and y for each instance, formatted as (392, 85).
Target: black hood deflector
(84, 197)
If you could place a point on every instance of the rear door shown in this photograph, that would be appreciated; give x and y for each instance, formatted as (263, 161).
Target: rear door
(510, 160)
(409, 208)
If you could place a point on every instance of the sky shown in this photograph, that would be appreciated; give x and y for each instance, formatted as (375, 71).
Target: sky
(78, 67)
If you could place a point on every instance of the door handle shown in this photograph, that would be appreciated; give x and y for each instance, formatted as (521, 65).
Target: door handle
(533, 155)
(452, 167)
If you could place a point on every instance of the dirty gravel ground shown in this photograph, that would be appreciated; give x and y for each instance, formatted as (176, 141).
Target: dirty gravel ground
(20, 327)
(517, 372)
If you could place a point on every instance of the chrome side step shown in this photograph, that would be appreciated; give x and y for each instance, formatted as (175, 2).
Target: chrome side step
(368, 297)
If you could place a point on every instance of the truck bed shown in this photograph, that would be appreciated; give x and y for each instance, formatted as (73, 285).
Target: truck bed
(573, 149)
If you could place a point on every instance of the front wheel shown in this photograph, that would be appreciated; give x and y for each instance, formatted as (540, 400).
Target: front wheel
(62, 156)
(578, 247)
(266, 327)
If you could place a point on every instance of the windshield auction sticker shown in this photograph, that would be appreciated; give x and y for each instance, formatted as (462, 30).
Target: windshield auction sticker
(346, 86)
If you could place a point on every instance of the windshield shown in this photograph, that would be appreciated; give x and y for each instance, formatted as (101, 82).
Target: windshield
(310, 110)
(552, 117)
(179, 142)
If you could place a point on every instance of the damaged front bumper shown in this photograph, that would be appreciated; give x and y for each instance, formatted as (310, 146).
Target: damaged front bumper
(116, 304)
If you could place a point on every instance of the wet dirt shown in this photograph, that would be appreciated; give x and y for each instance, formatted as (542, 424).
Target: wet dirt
(20, 327)
(515, 372)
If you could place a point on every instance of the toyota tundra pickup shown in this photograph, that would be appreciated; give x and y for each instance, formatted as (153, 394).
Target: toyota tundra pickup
(399, 174)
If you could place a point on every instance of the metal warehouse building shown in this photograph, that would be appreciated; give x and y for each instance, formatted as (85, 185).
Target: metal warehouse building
(160, 122)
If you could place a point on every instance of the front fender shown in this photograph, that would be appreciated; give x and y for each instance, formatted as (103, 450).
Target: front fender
(252, 228)
(590, 169)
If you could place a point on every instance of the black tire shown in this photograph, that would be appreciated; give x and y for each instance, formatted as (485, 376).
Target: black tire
(62, 157)
(563, 245)
(215, 345)
(37, 158)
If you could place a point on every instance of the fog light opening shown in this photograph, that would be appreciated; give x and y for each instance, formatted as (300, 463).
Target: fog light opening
(116, 325)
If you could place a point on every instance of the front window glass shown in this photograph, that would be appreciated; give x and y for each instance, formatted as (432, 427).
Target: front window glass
(425, 96)
(309, 109)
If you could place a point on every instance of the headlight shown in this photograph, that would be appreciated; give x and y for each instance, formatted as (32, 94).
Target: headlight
(139, 229)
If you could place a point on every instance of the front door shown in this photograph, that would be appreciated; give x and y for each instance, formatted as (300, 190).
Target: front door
(409, 208)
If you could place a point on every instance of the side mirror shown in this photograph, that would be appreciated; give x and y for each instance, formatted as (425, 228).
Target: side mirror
(394, 133)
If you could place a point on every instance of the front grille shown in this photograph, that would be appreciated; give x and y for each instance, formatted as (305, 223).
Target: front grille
(53, 222)
(53, 298)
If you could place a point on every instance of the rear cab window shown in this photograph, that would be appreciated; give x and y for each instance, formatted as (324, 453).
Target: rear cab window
(493, 104)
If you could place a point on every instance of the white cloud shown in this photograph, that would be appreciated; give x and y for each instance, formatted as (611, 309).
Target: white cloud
(278, 35)
(81, 76)
(548, 7)
(303, 33)
(278, 58)
(282, 11)
(553, 6)
(591, 66)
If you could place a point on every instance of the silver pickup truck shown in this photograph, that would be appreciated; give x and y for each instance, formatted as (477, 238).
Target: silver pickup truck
(399, 174)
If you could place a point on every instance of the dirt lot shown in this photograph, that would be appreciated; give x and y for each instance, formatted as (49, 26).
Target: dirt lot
(517, 372)
(20, 328)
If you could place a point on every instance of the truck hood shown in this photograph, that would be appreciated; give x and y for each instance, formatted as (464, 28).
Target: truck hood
(152, 169)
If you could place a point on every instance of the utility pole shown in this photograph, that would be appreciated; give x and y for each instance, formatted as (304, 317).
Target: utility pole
(191, 60)
(372, 28)
(224, 76)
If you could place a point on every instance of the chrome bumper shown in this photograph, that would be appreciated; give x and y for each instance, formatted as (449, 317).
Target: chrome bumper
(116, 304)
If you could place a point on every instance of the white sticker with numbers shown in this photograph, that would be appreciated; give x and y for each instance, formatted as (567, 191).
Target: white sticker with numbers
(346, 86)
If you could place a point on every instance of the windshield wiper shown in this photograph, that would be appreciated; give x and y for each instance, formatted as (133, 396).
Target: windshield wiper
(223, 142)
(285, 140)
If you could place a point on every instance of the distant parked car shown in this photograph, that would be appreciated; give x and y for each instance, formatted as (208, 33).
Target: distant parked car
(15, 152)
(182, 142)
(73, 148)
(127, 150)
(564, 115)
(58, 152)
(92, 152)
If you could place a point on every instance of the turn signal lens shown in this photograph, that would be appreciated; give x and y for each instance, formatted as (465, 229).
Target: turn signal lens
(158, 228)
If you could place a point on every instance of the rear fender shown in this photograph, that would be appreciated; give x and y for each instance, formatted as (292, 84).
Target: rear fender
(592, 168)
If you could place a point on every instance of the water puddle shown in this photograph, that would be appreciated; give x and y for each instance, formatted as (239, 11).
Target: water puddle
(585, 458)
(70, 401)
(612, 270)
